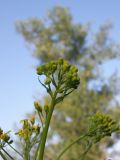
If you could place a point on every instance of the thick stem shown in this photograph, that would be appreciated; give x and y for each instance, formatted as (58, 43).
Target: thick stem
(26, 152)
(26, 156)
(45, 131)
(69, 146)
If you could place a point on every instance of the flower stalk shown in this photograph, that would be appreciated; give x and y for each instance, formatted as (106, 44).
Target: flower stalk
(45, 130)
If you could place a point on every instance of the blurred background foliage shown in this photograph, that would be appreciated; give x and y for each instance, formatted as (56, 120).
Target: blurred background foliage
(59, 36)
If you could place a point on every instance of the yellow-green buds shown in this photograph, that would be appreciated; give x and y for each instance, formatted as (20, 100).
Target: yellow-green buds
(37, 106)
(29, 129)
(40, 70)
(101, 126)
(60, 74)
(4, 137)
(36, 128)
(47, 69)
(24, 133)
(47, 81)
(32, 120)
(46, 108)
(66, 66)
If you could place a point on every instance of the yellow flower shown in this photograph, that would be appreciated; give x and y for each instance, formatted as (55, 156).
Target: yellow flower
(4, 137)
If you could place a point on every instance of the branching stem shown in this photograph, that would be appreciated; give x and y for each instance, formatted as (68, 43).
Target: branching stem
(70, 145)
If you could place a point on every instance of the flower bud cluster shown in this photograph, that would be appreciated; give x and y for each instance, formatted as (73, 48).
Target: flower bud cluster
(101, 126)
(47, 69)
(28, 129)
(4, 138)
(61, 74)
(41, 109)
(70, 75)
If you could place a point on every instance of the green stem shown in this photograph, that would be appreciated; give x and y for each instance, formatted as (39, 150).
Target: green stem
(86, 151)
(2, 155)
(70, 145)
(26, 152)
(45, 130)
(26, 156)
(36, 152)
(40, 119)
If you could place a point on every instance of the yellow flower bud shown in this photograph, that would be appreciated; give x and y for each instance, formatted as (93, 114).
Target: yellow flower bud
(36, 128)
(37, 106)
(47, 81)
(4, 137)
(32, 120)
(46, 108)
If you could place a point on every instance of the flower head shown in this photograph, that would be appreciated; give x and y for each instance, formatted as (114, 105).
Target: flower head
(101, 126)
(29, 129)
(60, 74)
(4, 138)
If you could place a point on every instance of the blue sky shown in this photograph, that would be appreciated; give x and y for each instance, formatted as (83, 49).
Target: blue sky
(18, 81)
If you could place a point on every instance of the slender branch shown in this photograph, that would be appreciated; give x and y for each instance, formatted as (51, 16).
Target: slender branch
(40, 119)
(7, 154)
(36, 153)
(2, 155)
(35, 156)
(50, 91)
(86, 151)
(53, 81)
(70, 145)
(42, 83)
(15, 150)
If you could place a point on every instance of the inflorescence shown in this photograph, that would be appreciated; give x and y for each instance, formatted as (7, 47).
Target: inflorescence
(4, 138)
(60, 74)
(102, 125)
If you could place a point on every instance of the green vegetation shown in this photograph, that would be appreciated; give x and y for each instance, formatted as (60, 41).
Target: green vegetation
(61, 79)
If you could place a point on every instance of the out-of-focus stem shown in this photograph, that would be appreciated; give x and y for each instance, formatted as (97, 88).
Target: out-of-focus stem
(16, 150)
(70, 145)
(7, 154)
(2, 155)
